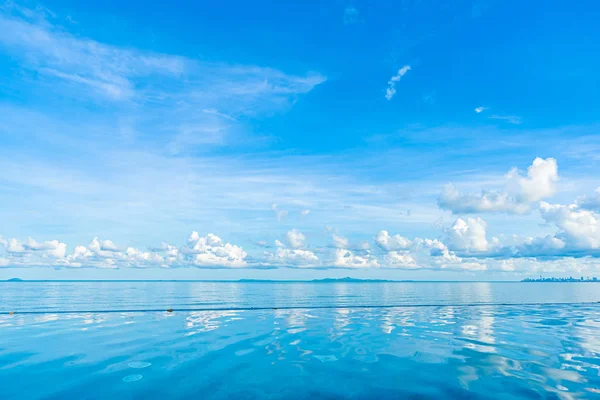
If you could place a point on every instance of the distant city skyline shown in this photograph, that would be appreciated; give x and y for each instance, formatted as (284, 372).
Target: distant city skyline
(266, 140)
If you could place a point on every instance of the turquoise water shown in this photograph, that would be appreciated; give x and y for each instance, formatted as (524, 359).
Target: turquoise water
(345, 340)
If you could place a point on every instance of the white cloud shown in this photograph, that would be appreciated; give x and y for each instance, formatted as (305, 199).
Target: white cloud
(103, 248)
(465, 247)
(540, 182)
(51, 248)
(211, 251)
(528, 256)
(425, 254)
(391, 89)
(487, 201)
(479, 110)
(511, 119)
(140, 258)
(206, 251)
(591, 202)
(115, 72)
(279, 214)
(432, 253)
(468, 235)
(578, 228)
(12, 245)
(396, 242)
(347, 259)
(400, 259)
(164, 92)
(540, 246)
(516, 198)
(304, 213)
(102, 68)
(340, 241)
(294, 256)
(296, 239)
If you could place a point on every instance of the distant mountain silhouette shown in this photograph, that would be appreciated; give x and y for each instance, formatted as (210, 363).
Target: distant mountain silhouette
(326, 280)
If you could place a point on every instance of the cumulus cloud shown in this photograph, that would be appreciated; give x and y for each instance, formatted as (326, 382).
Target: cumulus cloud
(294, 256)
(539, 247)
(422, 253)
(578, 228)
(400, 259)
(540, 182)
(463, 247)
(591, 202)
(468, 235)
(466, 248)
(211, 251)
(391, 89)
(396, 242)
(200, 251)
(485, 202)
(347, 259)
(519, 193)
(296, 239)
(31, 248)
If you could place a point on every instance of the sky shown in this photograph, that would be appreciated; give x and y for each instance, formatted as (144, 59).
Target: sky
(299, 140)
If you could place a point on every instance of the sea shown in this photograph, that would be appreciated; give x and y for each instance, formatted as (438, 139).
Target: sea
(299, 340)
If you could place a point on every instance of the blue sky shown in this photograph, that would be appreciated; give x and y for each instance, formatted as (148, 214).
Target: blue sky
(405, 140)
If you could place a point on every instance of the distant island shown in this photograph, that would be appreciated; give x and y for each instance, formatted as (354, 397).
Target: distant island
(326, 280)
(569, 279)
(352, 280)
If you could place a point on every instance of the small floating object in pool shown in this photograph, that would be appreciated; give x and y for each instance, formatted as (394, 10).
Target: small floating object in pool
(11, 313)
(139, 364)
(327, 358)
(132, 378)
(170, 310)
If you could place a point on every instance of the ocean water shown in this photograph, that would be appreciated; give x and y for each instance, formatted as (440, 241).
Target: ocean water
(97, 340)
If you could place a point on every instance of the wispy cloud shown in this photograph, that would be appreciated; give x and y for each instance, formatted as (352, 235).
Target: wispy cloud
(106, 69)
(279, 213)
(163, 92)
(120, 73)
(480, 109)
(511, 119)
(391, 90)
